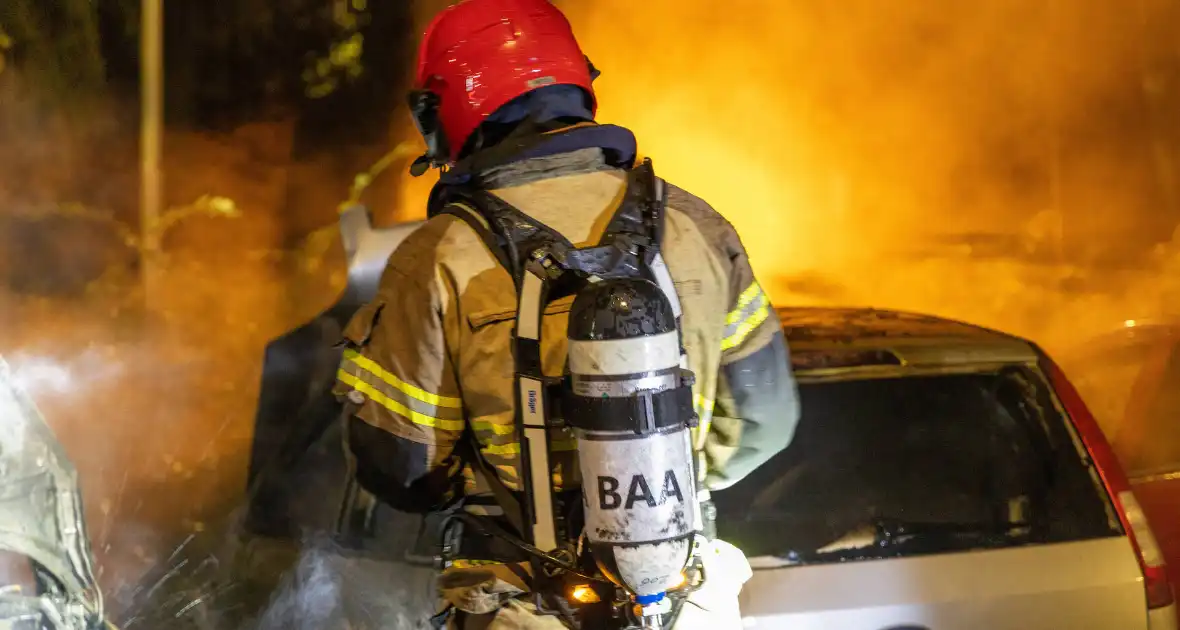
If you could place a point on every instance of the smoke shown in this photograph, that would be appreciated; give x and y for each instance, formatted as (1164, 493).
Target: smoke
(310, 598)
(152, 395)
(330, 589)
(1007, 163)
(44, 376)
(843, 138)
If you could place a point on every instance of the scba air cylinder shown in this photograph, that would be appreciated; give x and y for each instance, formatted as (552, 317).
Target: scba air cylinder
(631, 409)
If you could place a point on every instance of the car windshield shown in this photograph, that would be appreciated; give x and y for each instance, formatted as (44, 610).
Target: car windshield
(924, 464)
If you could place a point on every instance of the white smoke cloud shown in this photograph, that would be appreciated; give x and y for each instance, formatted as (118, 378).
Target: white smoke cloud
(330, 588)
(40, 375)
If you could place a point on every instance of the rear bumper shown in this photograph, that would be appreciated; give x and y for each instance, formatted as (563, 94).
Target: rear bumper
(1166, 618)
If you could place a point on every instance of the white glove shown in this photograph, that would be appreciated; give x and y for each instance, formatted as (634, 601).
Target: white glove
(715, 605)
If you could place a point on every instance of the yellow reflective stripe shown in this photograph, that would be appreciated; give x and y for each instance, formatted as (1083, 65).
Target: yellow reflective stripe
(513, 448)
(747, 304)
(749, 295)
(385, 401)
(467, 564)
(371, 367)
(703, 405)
(745, 328)
(492, 427)
(738, 315)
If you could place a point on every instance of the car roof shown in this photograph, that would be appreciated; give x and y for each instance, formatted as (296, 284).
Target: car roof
(843, 324)
(857, 342)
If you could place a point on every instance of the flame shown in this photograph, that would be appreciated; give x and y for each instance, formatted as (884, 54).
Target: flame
(842, 141)
(584, 594)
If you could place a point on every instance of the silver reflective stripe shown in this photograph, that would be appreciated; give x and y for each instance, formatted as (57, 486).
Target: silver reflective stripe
(599, 387)
(744, 312)
(370, 381)
(532, 404)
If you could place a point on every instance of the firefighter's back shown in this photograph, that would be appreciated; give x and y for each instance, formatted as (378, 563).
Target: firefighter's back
(576, 196)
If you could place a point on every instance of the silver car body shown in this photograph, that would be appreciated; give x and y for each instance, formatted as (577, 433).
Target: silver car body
(1090, 584)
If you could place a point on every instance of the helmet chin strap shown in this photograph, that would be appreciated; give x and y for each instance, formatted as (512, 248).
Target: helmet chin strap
(424, 110)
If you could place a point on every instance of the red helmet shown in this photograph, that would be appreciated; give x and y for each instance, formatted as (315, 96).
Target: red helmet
(478, 55)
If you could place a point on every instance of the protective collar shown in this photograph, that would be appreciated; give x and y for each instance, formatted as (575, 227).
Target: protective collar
(618, 146)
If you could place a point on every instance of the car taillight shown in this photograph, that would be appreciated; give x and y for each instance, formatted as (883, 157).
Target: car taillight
(1151, 559)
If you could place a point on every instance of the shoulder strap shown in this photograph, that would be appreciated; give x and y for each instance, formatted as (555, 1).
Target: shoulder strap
(637, 226)
(631, 243)
(510, 234)
(641, 215)
(512, 237)
(475, 220)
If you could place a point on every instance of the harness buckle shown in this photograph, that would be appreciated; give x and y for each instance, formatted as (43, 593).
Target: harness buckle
(551, 262)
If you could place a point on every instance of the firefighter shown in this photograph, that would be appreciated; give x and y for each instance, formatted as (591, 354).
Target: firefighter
(503, 98)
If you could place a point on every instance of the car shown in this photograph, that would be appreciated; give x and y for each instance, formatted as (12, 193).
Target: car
(943, 475)
(1131, 378)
